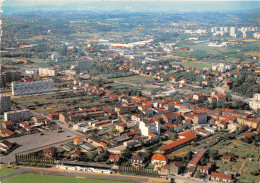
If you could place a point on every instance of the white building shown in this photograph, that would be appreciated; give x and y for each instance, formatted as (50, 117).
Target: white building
(5, 103)
(33, 87)
(256, 35)
(47, 72)
(255, 102)
(149, 126)
(17, 116)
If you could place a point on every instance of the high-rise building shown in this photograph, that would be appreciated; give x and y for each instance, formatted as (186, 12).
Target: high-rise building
(5, 103)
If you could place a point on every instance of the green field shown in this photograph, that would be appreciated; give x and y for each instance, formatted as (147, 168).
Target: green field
(6, 171)
(33, 178)
(46, 103)
(137, 79)
(197, 65)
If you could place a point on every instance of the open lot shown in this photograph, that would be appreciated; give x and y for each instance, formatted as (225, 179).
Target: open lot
(32, 178)
(36, 142)
(137, 79)
(57, 102)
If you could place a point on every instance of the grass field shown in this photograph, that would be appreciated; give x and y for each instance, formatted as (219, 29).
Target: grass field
(197, 65)
(33, 178)
(137, 79)
(6, 171)
(46, 103)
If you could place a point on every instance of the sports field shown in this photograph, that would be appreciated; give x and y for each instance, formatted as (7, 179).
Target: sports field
(33, 178)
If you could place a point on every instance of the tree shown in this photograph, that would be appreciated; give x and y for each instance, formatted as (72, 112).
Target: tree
(214, 154)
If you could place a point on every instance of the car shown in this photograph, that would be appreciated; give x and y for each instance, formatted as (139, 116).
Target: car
(68, 136)
(41, 133)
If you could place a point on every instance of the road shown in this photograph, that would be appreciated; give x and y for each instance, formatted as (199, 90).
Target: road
(36, 142)
(56, 171)
(182, 179)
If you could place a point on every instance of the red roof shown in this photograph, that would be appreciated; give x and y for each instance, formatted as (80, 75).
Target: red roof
(221, 175)
(188, 137)
(195, 160)
(159, 157)
(115, 157)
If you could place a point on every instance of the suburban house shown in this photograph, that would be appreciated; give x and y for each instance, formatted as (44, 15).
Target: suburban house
(113, 158)
(5, 145)
(159, 159)
(137, 160)
(78, 141)
(220, 177)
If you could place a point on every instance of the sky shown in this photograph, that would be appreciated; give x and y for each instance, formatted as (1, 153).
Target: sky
(18, 6)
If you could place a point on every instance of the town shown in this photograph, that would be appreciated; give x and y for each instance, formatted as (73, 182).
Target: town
(129, 99)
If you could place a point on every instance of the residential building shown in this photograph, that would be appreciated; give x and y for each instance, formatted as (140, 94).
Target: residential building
(5, 103)
(33, 87)
(159, 159)
(5, 145)
(220, 177)
(175, 167)
(255, 102)
(150, 126)
(47, 72)
(17, 116)
(137, 160)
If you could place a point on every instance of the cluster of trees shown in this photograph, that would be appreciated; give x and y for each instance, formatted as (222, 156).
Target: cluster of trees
(102, 157)
(236, 104)
(192, 76)
(138, 171)
(255, 138)
(245, 85)
(34, 160)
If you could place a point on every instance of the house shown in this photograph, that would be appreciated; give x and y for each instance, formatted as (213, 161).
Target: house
(151, 125)
(6, 133)
(8, 125)
(220, 177)
(196, 158)
(204, 169)
(212, 99)
(199, 97)
(226, 158)
(121, 127)
(48, 153)
(172, 80)
(165, 169)
(75, 153)
(175, 167)
(5, 145)
(221, 98)
(78, 141)
(183, 81)
(205, 82)
(250, 122)
(197, 117)
(159, 159)
(137, 118)
(171, 116)
(39, 119)
(113, 158)
(202, 132)
(185, 138)
(137, 160)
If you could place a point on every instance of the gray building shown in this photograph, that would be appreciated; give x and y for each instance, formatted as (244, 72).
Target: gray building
(5, 103)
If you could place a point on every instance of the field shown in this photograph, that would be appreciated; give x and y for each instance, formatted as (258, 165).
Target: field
(197, 65)
(46, 103)
(32, 178)
(6, 171)
(243, 151)
(136, 79)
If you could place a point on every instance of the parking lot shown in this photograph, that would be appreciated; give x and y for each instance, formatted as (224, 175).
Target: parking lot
(36, 142)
